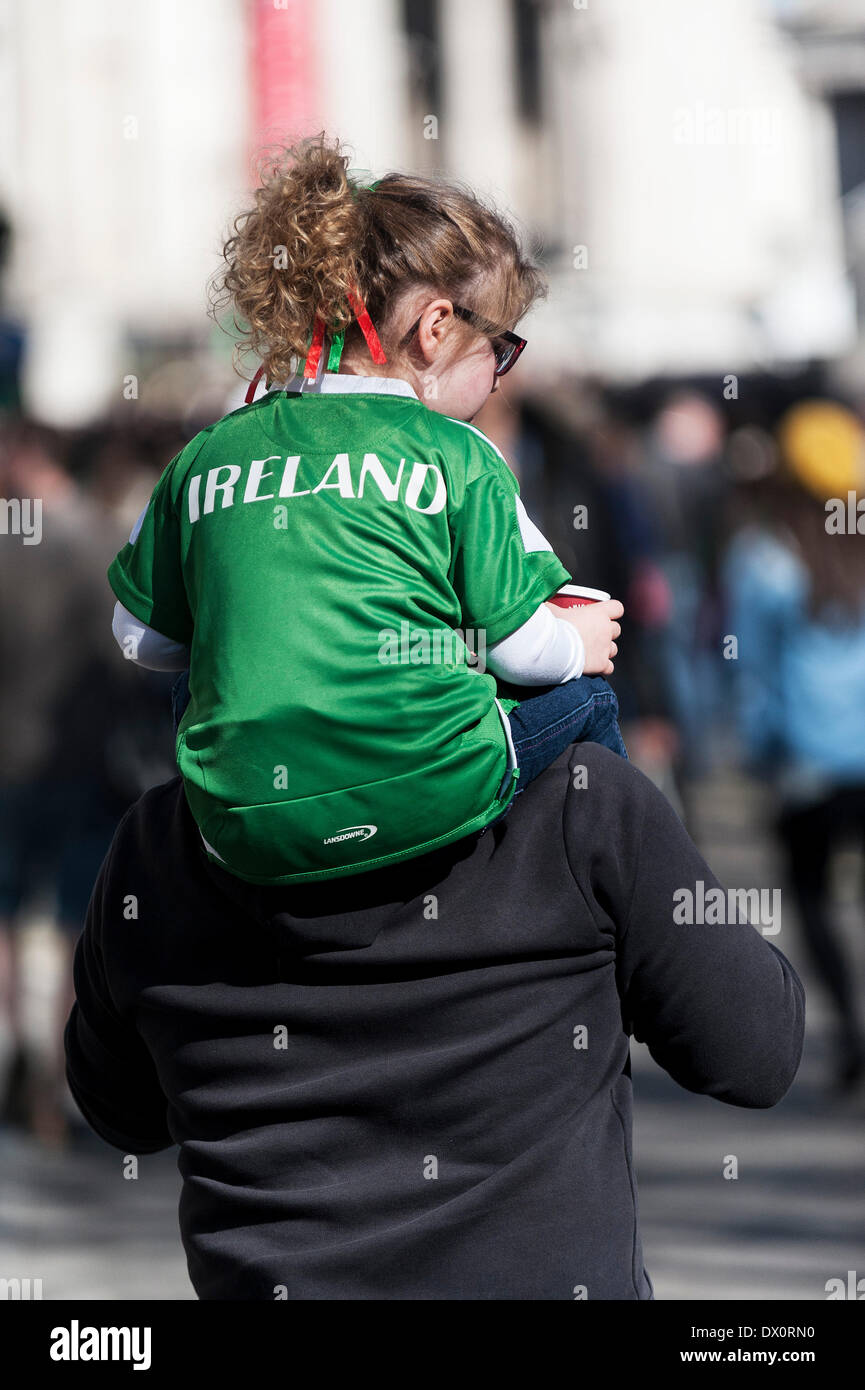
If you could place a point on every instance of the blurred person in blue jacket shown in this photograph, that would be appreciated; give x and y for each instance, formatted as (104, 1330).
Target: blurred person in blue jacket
(795, 580)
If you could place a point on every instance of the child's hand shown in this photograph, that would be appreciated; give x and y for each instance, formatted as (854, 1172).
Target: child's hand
(596, 624)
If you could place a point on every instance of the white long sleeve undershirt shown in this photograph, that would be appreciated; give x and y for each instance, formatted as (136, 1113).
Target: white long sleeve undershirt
(144, 645)
(544, 651)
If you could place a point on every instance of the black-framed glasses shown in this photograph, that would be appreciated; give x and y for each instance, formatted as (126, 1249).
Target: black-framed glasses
(506, 346)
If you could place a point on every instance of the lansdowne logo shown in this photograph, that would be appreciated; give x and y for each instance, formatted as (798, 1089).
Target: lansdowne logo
(352, 832)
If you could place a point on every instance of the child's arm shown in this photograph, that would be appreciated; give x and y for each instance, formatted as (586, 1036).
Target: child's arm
(541, 652)
(152, 620)
(557, 645)
(503, 569)
(145, 646)
(597, 625)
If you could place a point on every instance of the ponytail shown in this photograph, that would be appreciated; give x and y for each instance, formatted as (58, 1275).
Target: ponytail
(317, 250)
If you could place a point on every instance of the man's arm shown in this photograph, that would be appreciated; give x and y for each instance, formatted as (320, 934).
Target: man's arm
(109, 1070)
(719, 1006)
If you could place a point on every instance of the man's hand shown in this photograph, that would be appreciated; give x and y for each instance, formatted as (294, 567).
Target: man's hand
(597, 625)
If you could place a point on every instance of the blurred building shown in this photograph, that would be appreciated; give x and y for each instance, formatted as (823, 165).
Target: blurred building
(691, 174)
(701, 176)
(829, 39)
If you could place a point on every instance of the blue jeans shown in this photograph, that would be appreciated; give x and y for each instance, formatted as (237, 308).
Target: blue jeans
(548, 720)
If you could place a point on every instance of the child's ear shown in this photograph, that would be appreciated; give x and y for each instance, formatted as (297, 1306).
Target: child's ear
(437, 320)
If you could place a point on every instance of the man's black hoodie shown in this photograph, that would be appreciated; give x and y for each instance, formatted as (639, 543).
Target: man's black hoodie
(414, 1083)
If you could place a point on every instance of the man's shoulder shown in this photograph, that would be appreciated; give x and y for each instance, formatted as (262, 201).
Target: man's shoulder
(600, 791)
(150, 825)
(595, 757)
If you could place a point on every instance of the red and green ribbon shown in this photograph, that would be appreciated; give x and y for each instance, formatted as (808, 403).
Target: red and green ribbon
(337, 341)
(367, 328)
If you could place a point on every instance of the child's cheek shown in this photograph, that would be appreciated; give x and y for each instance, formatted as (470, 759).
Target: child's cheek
(482, 378)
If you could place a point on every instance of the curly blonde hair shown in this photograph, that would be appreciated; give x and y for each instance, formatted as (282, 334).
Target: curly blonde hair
(314, 234)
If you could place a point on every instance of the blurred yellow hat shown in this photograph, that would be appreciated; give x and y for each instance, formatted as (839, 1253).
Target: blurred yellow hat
(823, 445)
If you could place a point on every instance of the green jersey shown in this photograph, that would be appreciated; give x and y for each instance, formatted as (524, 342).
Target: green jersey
(338, 560)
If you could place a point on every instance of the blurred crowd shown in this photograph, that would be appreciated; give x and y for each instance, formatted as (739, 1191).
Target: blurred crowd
(82, 732)
(744, 630)
(734, 537)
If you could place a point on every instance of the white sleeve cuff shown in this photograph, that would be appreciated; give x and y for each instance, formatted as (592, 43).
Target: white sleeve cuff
(545, 651)
(144, 645)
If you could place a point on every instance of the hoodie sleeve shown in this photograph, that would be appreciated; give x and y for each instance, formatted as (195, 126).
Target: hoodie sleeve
(109, 1070)
(720, 1008)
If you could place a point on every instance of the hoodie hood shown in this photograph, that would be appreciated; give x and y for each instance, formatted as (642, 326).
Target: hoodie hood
(346, 913)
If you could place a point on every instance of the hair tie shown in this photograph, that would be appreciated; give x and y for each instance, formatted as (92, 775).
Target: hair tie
(359, 311)
(367, 328)
(358, 308)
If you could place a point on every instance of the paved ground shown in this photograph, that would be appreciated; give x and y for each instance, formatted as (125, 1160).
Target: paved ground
(794, 1218)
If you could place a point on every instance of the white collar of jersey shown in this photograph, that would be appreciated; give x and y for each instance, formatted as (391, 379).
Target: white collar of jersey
(344, 383)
